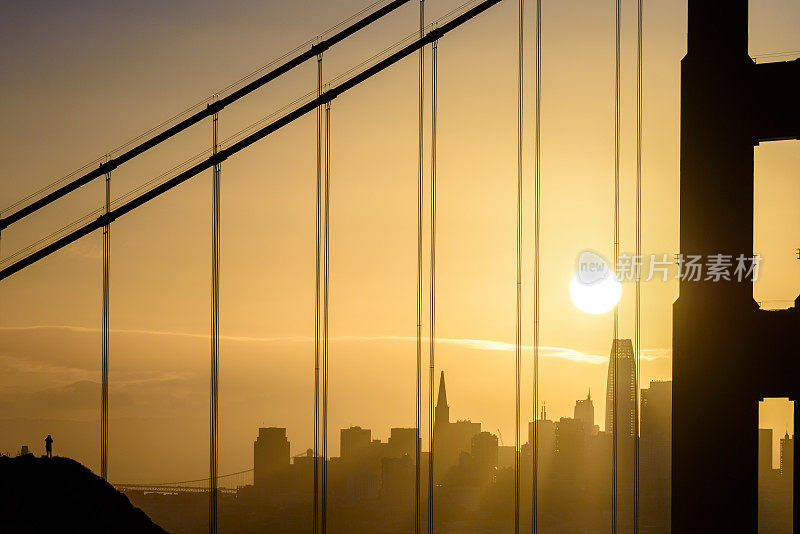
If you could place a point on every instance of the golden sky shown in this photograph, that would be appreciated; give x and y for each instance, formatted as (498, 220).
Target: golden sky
(82, 79)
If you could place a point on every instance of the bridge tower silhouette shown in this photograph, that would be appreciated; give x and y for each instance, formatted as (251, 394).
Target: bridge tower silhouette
(727, 353)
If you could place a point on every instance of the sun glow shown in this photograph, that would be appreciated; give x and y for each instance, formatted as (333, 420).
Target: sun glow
(597, 297)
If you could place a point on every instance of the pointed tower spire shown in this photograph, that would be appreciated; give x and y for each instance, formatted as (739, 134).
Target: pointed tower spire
(442, 414)
(442, 398)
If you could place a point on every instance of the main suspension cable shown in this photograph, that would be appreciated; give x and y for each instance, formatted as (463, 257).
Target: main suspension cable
(196, 116)
(248, 141)
(228, 141)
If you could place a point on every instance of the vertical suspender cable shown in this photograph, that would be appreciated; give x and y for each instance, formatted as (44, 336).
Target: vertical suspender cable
(325, 317)
(518, 329)
(1, 257)
(615, 344)
(420, 198)
(317, 299)
(536, 229)
(104, 356)
(1, 252)
(638, 253)
(431, 377)
(213, 525)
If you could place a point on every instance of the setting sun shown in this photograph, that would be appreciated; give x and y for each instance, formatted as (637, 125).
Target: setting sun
(595, 298)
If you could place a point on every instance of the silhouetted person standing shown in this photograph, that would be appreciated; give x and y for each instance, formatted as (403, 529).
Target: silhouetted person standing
(48, 446)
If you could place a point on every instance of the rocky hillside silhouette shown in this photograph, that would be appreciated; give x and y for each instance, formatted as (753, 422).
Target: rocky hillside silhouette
(60, 495)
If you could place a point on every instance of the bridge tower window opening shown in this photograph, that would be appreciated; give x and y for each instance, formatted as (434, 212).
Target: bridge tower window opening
(776, 223)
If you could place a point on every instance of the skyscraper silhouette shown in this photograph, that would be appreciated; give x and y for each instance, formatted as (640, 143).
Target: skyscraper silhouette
(584, 412)
(727, 354)
(787, 454)
(622, 414)
(655, 455)
(270, 457)
(626, 390)
(764, 449)
(353, 441)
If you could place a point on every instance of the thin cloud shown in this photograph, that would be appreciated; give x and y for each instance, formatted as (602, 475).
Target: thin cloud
(472, 344)
(504, 346)
(65, 373)
(164, 333)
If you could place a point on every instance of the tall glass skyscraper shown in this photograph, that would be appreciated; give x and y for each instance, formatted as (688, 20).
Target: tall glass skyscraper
(626, 388)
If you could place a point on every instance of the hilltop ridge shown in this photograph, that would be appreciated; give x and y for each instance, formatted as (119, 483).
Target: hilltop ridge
(60, 495)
